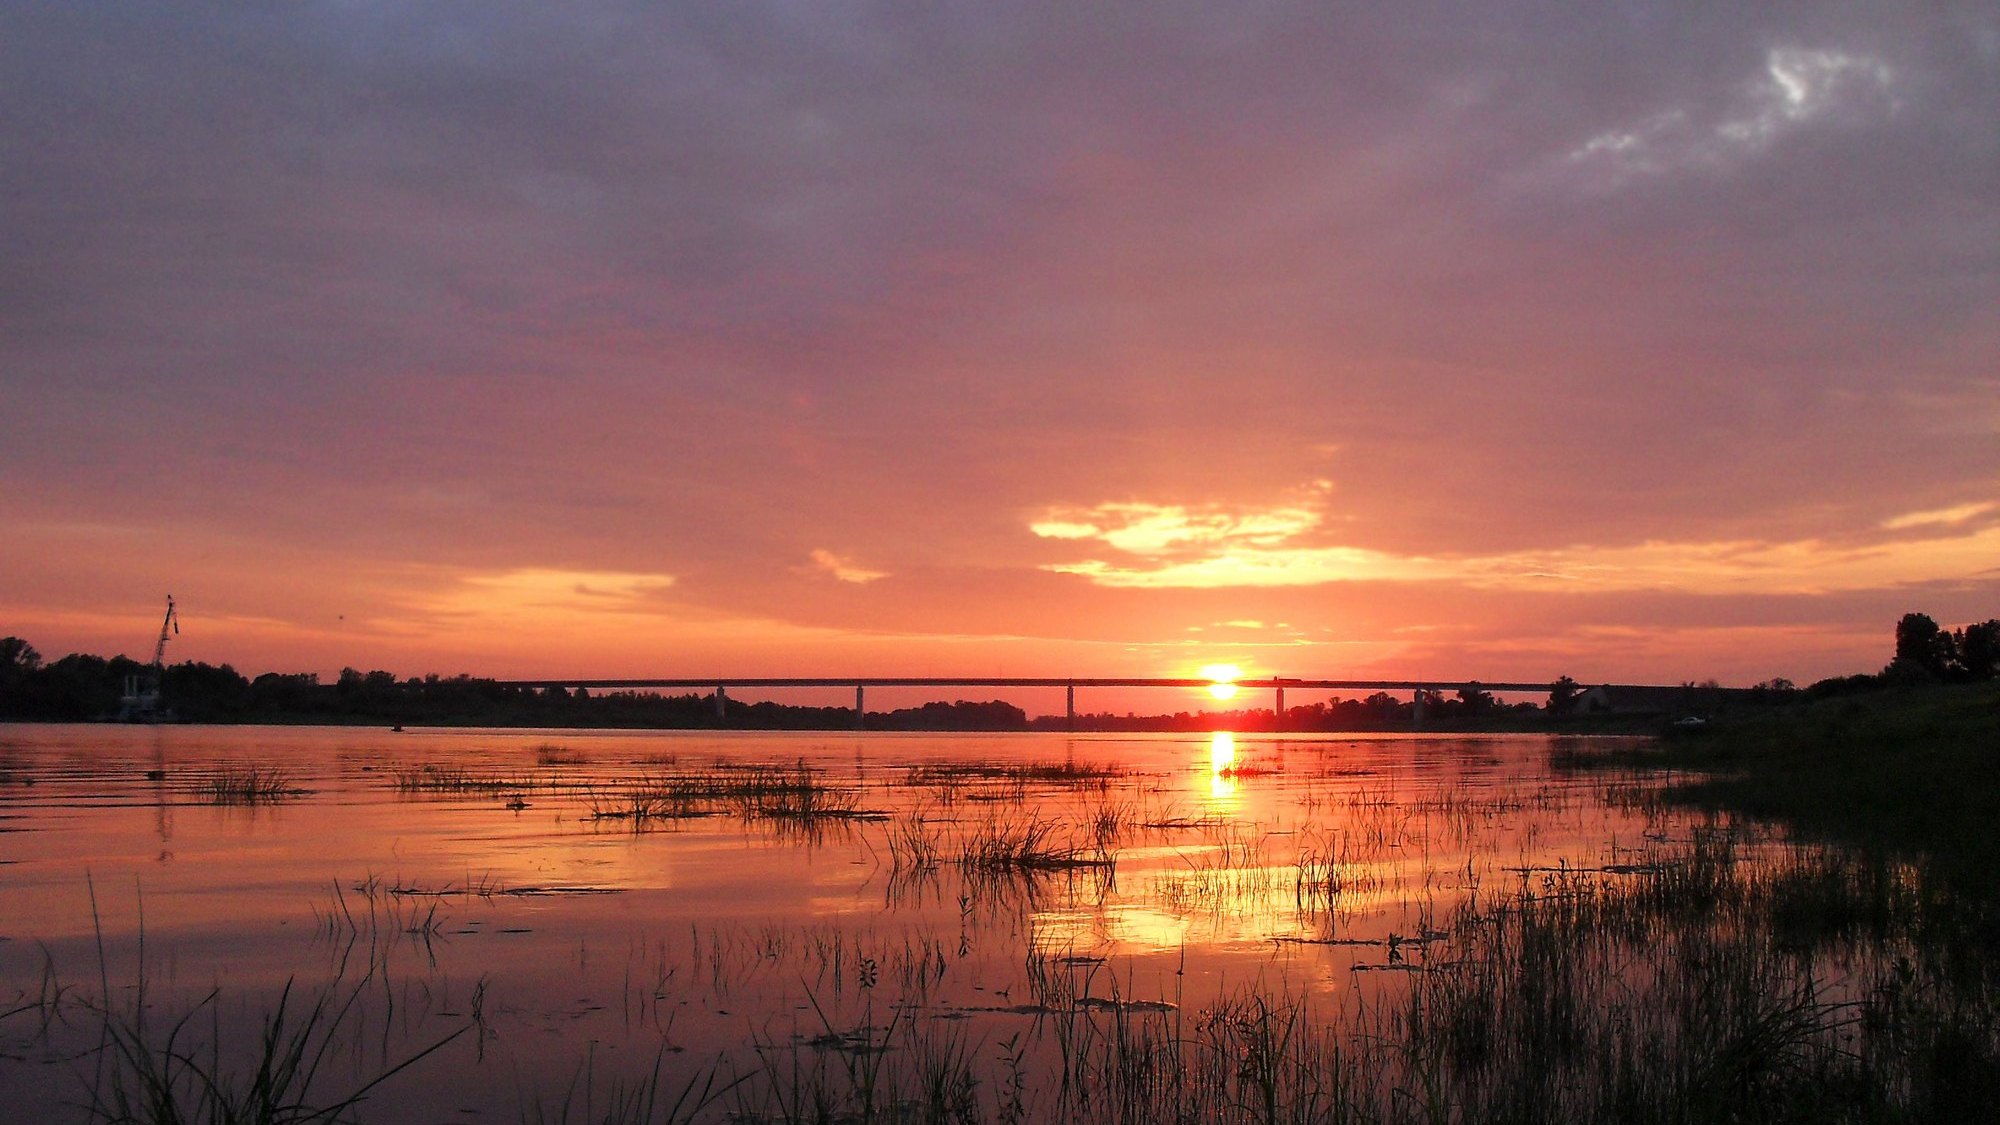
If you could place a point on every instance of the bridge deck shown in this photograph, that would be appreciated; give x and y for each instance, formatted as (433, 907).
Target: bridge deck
(726, 682)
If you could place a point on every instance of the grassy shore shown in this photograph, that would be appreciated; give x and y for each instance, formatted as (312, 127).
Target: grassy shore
(1912, 771)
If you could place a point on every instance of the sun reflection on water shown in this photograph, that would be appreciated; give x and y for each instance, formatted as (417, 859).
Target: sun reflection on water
(1222, 766)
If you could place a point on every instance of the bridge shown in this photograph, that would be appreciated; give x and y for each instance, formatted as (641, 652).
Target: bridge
(1276, 684)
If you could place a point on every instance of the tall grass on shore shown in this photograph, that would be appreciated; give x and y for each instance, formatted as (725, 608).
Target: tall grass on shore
(1899, 776)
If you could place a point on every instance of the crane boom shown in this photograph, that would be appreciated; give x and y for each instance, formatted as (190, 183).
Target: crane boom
(166, 623)
(141, 701)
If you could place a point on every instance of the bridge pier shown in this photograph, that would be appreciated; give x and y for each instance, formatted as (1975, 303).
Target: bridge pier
(1072, 707)
(860, 708)
(1278, 712)
(721, 703)
(1417, 710)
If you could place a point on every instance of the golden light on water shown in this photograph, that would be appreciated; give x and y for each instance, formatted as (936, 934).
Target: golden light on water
(1221, 752)
(1221, 765)
(1224, 677)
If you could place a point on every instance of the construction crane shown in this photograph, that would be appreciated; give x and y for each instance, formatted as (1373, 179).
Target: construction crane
(141, 701)
(160, 650)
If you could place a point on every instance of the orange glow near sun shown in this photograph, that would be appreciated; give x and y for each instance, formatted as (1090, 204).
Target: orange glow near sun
(1224, 677)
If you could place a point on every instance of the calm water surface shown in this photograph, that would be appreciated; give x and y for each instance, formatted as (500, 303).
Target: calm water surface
(582, 906)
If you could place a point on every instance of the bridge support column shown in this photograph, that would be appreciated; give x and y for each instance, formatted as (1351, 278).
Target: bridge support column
(721, 703)
(1278, 712)
(1072, 706)
(860, 708)
(1417, 711)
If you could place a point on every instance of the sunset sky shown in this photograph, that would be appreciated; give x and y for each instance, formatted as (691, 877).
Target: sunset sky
(1638, 342)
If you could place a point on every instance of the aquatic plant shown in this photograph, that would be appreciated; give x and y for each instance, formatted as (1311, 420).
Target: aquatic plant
(1027, 843)
(246, 785)
(144, 1077)
(797, 795)
(432, 778)
(644, 1102)
(551, 754)
(155, 1063)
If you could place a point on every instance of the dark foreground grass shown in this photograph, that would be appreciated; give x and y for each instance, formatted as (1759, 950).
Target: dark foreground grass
(1910, 772)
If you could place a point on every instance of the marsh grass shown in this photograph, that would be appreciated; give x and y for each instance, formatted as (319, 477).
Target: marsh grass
(1905, 770)
(928, 774)
(1325, 873)
(376, 923)
(799, 794)
(999, 782)
(1551, 1002)
(433, 778)
(1028, 843)
(1727, 977)
(1003, 864)
(1548, 1007)
(551, 754)
(142, 1057)
(185, 1075)
(246, 785)
(797, 797)
(644, 807)
(29, 1016)
(916, 844)
(1229, 873)
(650, 1100)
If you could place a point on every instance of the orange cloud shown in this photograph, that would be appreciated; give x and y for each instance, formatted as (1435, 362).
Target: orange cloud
(1170, 547)
(845, 569)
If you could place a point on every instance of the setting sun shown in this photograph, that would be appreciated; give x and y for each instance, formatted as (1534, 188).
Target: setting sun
(1224, 677)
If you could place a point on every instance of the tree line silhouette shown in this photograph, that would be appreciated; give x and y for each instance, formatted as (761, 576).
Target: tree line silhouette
(82, 687)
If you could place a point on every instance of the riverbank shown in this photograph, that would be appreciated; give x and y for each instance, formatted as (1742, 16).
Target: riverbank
(1908, 772)
(1915, 765)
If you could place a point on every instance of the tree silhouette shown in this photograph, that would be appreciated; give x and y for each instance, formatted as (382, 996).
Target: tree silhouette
(1979, 649)
(17, 658)
(1562, 695)
(1920, 644)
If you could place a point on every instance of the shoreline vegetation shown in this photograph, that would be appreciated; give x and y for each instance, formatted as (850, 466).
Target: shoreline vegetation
(87, 688)
(1906, 770)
